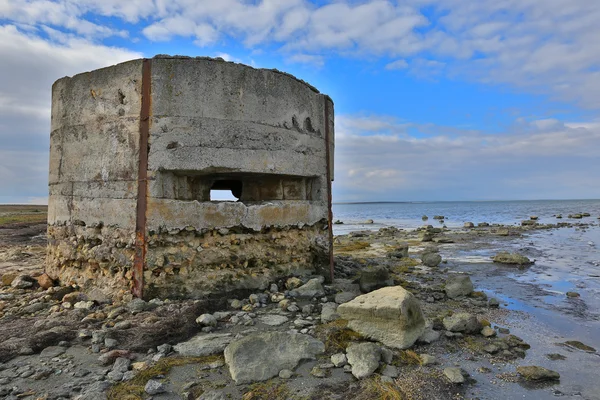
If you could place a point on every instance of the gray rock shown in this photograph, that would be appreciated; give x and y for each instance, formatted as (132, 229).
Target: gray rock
(129, 375)
(307, 309)
(390, 315)
(138, 305)
(364, 359)
(273, 319)
(387, 356)
(431, 259)
(164, 348)
(110, 343)
(236, 304)
(260, 356)
(121, 364)
(154, 387)
(427, 359)
(493, 302)
(511, 258)
(206, 320)
(285, 374)
(329, 312)
(22, 282)
(454, 375)
(52, 351)
(458, 285)
(254, 299)
(312, 288)
(33, 308)
(391, 371)
(429, 336)
(535, 373)
(122, 325)
(462, 322)
(469, 225)
(400, 251)
(374, 277)
(488, 332)
(345, 297)
(339, 359)
(115, 376)
(204, 344)
(84, 305)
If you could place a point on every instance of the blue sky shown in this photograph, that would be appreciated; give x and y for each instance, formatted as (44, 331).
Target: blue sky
(434, 100)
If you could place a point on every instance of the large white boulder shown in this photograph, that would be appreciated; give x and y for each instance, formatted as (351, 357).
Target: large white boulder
(390, 315)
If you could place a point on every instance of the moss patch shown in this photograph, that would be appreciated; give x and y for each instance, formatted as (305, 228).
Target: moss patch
(408, 357)
(374, 388)
(336, 335)
(134, 389)
(349, 247)
(268, 390)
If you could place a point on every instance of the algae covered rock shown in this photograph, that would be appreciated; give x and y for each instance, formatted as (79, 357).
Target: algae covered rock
(390, 315)
(462, 322)
(374, 277)
(535, 373)
(505, 257)
(431, 259)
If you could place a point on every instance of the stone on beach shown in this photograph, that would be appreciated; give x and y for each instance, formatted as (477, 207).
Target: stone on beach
(535, 373)
(204, 345)
(511, 258)
(458, 285)
(431, 259)
(454, 375)
(374, 277)
(260, 356)
(312, 288)
(364, 359)
(462, 322)
(390, 315)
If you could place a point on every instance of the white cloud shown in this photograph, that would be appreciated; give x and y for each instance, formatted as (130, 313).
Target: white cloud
(398, 64)
(376, 159)
(310, 59)
(546, 46)
(30, 65)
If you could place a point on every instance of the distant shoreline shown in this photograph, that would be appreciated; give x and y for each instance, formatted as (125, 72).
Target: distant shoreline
(452, 201)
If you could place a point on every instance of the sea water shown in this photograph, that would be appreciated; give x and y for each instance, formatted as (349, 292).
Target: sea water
(456, 213)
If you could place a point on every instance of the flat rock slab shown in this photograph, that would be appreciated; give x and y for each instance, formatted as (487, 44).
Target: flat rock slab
(390, 315)
(52, 351)
(535, 373)
(273, 319)
(261, 356)
(204, 345)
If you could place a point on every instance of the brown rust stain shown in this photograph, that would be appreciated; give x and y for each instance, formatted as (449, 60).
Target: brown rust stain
(328, 133)
(142, 200)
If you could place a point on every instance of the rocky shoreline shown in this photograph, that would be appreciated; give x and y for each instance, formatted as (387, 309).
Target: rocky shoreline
(395, 323)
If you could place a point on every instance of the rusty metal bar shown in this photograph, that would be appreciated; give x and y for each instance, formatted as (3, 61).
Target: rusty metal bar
(328, 155)
(139, 260)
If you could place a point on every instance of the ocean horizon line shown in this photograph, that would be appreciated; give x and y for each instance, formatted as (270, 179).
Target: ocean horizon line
(453, 201)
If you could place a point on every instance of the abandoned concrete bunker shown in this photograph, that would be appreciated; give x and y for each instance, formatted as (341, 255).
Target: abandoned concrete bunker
(137, 148)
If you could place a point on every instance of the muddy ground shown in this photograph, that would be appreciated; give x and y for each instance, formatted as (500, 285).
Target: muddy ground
(57, 343)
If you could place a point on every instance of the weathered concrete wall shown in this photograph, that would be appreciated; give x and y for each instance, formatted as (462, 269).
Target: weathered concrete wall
(94, 145)
(212, 125)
